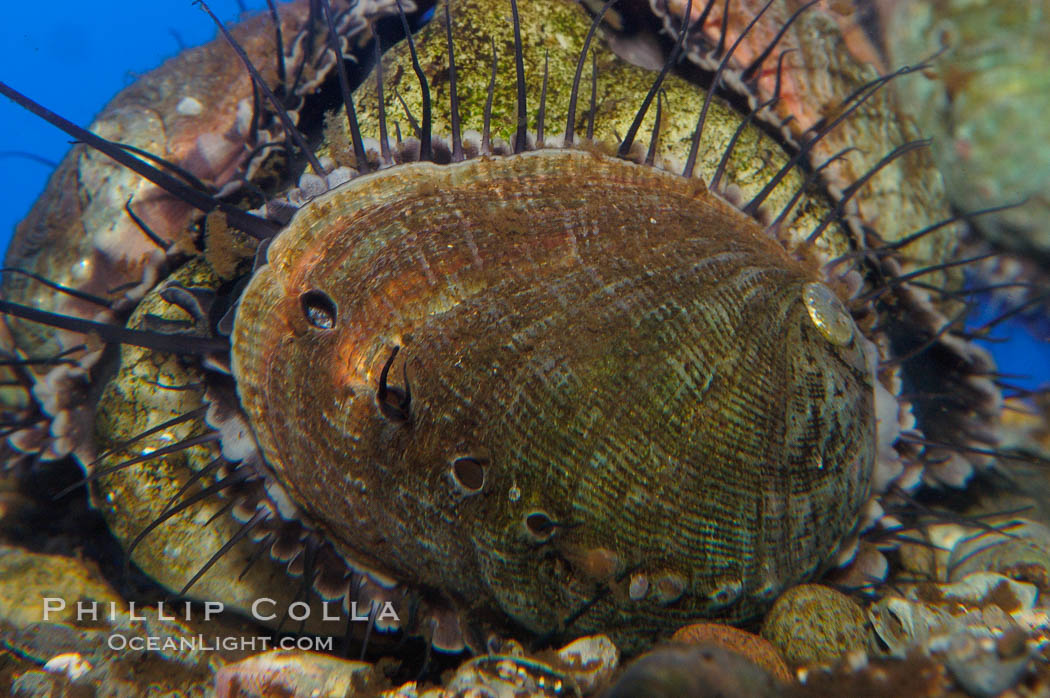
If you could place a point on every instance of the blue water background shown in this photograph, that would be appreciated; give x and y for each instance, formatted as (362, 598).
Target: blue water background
(74, 56)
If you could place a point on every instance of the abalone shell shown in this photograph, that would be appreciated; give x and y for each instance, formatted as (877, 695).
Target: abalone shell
(558, 386)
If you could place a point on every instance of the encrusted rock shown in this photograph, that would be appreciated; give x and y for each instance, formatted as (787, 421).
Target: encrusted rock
(813, 623)
(499, 676)
(79, 638)
(754, 647)
(983, 99)
(293, 674)
(26, 579)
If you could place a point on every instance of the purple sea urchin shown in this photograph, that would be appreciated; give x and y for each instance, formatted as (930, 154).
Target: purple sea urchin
(642, 440)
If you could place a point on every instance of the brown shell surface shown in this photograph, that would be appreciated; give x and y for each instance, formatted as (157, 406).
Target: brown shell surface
(587, 330)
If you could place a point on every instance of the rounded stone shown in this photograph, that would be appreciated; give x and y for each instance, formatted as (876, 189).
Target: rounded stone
(28, 579)
(694, 671)
(813, 623)
(754, 647)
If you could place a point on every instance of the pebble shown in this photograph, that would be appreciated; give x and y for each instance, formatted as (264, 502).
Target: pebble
(813, 623)
(590, 661)
(26, 579)
(754, 647)
(293, 674)
(694, 671)
(982, 668)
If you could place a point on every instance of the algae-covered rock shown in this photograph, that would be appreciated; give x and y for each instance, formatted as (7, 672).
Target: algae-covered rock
(29, 580)
(813, 623)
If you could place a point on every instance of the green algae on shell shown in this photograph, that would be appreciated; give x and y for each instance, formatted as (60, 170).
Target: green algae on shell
(629, 362)
(150, 389)
(552, 36)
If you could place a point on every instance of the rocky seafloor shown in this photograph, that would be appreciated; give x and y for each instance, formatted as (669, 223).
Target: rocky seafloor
(965, 615)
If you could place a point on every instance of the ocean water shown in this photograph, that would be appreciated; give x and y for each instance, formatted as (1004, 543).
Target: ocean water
(73, 56)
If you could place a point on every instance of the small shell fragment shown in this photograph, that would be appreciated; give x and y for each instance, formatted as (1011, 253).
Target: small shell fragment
(496, 676)
(71, 664)
(591, 661)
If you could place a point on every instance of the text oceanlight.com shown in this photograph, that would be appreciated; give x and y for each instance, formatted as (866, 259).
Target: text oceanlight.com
(203, 643)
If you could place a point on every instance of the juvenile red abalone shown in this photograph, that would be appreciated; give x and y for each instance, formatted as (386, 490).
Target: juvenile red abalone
(616, 381)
